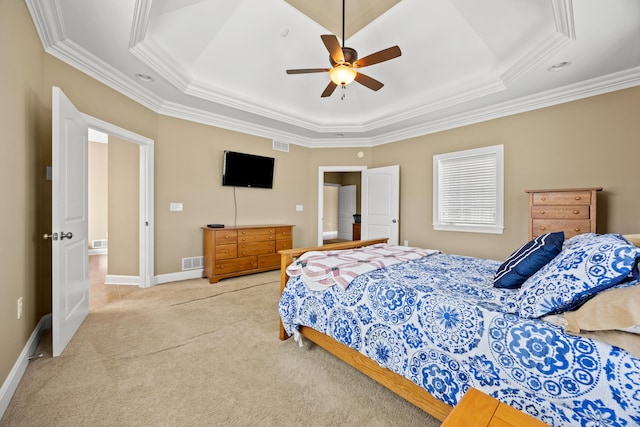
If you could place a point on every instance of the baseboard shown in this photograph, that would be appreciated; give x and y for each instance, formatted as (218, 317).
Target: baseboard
(11, 383)
(112, 279)
(176, 277)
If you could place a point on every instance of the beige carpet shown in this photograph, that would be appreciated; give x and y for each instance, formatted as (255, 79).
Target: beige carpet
(194, 354)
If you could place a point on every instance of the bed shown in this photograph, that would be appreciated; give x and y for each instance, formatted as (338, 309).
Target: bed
(430, 325)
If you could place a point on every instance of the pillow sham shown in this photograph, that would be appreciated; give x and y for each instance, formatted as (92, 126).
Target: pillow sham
(576, 274)
(528, 259)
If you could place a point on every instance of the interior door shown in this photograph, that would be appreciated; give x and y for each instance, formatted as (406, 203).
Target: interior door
(70, 259)
(381, 203)
(346, 210)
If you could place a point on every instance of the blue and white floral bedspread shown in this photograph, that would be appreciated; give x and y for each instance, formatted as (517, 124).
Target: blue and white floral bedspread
(440, 322)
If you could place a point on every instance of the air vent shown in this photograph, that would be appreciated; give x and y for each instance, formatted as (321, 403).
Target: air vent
(99, 244)
(280, 146)
(192, 263)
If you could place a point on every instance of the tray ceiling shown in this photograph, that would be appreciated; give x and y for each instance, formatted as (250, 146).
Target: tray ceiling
(223, 62)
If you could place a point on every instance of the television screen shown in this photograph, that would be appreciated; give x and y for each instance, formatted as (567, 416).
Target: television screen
(247, 170)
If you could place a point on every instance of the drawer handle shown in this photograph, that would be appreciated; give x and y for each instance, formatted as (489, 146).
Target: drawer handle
(543, 198)
(578, 197)
(226, 237)
(576, 230)
(542, 212)
(576, 212)
(543, 228)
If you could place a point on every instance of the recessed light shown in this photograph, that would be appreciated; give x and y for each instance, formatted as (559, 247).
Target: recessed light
(559, 66)
(144, 77)
(339, 135)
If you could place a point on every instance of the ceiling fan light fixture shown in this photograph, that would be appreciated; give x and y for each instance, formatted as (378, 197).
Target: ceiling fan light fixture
(342, 75)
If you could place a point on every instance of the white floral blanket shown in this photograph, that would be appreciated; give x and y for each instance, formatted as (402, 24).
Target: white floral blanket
(322, 269)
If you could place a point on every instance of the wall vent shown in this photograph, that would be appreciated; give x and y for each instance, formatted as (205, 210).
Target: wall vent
(281, 146)
(192, 263)
(99, 244)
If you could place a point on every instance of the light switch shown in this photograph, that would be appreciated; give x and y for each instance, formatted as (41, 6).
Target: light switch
(175, 207)
(299, 208)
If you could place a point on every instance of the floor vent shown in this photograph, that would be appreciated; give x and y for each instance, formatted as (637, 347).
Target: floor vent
(192, 263)
(99, 244)
(280, 146)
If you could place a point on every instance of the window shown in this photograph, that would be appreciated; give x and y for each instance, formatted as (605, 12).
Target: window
(468, 190)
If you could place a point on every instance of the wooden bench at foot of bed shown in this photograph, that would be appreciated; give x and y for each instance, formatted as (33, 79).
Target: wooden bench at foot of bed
(403, 387)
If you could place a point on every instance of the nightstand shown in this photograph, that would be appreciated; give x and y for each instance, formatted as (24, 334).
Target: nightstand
(477, 409)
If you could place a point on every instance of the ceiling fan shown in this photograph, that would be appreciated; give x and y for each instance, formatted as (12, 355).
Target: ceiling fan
(345, 63)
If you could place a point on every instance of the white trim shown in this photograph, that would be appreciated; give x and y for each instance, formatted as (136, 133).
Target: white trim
(15, 375)
(176, 277)
(112, 279)
(321, 171)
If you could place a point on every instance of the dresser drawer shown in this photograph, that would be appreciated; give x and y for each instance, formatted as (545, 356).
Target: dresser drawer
(226, 251)
(560, 212)
(284, 233)
(269, 260)
(570, 227)
(251, 232)
(283, 244)
(256, 248)
(562, 198)
(226, 236)
(236, 264)
(257, 238)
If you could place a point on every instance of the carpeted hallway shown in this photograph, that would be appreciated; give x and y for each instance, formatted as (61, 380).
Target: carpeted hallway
(195, 354)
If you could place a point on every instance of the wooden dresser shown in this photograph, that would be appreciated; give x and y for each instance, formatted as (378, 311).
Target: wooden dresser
(572, 210)
(236, 251)
(480, 410)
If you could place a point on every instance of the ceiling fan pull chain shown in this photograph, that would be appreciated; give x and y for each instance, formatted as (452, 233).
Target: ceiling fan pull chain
(344, 92)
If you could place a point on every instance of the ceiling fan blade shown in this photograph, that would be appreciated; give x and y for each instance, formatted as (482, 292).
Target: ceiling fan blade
(329, 89)
(333, 46)
(308, 70)
(369, 82)
(380, 56)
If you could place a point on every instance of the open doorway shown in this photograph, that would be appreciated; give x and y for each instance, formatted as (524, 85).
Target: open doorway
(112, 197)
(339, 194)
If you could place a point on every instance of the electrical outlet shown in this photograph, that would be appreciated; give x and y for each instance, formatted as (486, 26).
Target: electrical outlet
(19, 308)
(406, 243)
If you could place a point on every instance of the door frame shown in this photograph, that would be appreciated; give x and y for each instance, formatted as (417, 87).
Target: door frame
(321, 171)
(146, 273)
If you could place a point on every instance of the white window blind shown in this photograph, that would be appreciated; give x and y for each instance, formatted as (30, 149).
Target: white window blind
(468, 190)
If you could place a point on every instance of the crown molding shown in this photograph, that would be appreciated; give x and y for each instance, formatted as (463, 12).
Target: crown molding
(46, 18)
(596, 86)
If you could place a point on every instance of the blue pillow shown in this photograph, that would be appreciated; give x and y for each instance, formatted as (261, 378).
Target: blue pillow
(577, 274)
(531, 257)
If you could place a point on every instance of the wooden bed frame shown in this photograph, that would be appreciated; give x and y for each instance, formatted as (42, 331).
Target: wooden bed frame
(403, 387)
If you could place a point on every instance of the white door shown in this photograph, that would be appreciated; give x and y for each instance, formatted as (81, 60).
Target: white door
(70, 260)
(346, 210)
(381, 203)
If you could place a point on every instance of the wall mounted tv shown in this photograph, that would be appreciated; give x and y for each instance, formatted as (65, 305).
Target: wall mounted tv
(247, 170)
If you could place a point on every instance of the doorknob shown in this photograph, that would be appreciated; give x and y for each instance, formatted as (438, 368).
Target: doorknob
(64, 235)
(53, 236)
(394, 221)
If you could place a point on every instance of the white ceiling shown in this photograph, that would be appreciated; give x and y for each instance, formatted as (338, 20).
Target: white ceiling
(223, 62)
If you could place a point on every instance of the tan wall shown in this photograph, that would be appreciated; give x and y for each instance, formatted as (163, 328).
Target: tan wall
(98, 186)
(590, 142)
(25, 210)
(124, 207)
(189, 171)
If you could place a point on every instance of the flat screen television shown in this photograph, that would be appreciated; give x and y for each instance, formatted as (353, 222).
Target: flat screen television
(247, 170)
